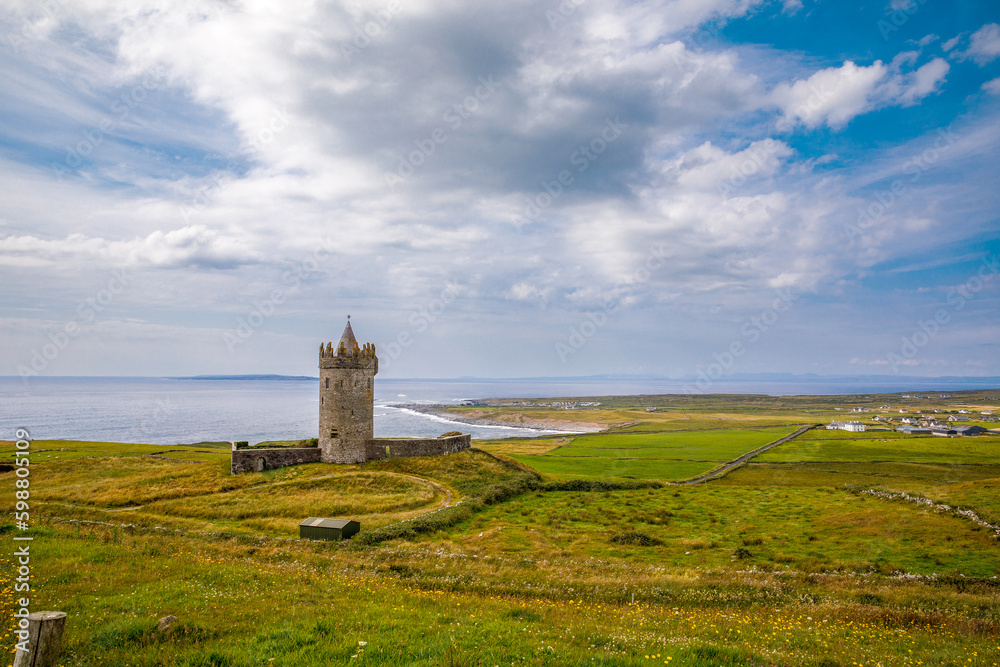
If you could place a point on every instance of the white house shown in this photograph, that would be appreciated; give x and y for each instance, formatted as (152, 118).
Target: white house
(845, 426)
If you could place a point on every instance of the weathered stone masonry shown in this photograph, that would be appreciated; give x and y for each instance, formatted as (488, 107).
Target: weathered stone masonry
(258, 460)
(390, 448)
(346, 398)
(376, 449)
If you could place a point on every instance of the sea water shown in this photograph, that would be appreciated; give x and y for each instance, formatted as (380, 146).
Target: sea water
(172, 411)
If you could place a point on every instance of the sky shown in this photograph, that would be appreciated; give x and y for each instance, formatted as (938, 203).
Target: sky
(517, 189)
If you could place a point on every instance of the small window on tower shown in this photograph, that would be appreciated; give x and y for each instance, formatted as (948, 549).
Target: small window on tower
(328, 383)
(333, 433)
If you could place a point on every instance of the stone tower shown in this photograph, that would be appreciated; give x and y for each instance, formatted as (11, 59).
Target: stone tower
(346, 398)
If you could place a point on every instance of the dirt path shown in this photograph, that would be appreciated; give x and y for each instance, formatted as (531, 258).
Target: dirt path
(746, 457)
(440, 489)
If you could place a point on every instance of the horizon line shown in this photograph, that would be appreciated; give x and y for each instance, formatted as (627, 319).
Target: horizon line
(596, 376)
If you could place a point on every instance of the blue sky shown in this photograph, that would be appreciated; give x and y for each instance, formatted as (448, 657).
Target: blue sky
(532, 189)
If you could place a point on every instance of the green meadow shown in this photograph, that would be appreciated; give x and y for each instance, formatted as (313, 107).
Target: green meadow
(642, 453)
(560, 550)
(875, 447)
(606, 467)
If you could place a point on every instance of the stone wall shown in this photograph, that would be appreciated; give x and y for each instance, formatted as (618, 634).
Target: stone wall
(386, 448)
(257, 460)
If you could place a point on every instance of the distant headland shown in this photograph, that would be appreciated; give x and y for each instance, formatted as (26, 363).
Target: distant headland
(246, 377)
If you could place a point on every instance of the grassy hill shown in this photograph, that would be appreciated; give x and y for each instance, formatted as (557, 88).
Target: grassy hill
(479, 559)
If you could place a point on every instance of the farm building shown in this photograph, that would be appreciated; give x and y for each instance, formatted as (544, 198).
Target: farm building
(969, 430)
(328, 529)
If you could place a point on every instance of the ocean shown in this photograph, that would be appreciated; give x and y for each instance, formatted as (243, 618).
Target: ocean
(170, 411)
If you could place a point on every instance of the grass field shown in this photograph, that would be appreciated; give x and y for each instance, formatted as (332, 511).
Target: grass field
(480, 560)
(644, 454)
(805, 530)
(914, 448)
(568, 467)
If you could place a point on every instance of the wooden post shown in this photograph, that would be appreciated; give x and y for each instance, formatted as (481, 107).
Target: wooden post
(45, 630)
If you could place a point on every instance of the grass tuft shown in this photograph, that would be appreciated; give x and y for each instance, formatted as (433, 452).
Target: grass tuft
(635, 538)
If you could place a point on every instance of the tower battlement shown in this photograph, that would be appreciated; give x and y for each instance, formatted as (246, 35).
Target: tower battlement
(342, 350)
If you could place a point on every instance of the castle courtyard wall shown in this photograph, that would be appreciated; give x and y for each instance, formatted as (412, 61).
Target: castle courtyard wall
(389, 448)
(254, 460)
(377, 449)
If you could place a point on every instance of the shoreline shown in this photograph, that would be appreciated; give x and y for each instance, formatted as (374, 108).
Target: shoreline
(557, 426)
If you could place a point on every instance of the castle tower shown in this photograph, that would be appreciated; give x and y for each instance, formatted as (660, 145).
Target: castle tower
(346, 398)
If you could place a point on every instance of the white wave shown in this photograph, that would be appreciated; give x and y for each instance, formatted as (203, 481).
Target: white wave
(515, 429)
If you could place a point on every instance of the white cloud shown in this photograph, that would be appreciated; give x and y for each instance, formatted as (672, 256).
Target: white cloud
(710, 167)
(312, 134)
(194, 245)
(527, 292)
(921, 83)
(992, 87)
(791, 6)
(836, 95)
(984, 46)
(833, 96)
(643, 23)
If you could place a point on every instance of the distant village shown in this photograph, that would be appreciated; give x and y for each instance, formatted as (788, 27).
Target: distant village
(561, 405)
(922, 421)
(908, 420)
